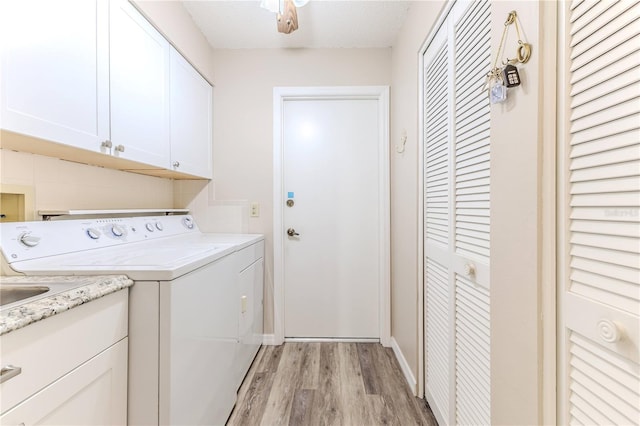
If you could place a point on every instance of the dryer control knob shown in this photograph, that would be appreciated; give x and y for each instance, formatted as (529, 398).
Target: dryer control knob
(159, 226)
(117, 230)
(29, 240)
(188, 222)
(93, 233)
(149, 227)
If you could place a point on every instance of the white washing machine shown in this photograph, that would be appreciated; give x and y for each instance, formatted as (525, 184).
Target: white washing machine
(195, 310)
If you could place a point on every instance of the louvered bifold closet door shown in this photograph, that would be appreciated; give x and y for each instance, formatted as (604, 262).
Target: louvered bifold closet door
(601, 289)
(456, 216)
(471, 159)
(437, 135)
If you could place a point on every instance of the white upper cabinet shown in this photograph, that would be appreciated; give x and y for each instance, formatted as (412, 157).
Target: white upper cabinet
(139, 77)
(191, 118)
(96, 75)
(55, 70)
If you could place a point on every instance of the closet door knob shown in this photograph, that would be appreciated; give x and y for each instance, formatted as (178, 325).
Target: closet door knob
(610, 332)
(469, 269)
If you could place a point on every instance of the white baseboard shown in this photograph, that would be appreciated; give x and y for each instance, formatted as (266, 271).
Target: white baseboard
(331, 340)
(404, 366)
(269, 339)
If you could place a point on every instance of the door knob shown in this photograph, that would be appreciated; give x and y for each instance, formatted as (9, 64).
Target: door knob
(292, 232)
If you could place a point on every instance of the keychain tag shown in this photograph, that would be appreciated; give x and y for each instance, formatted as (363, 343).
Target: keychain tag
(497, 92)
(511, 76)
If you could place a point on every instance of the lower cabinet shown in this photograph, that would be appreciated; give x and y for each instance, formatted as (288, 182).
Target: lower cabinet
(73, 367)
(92, 394)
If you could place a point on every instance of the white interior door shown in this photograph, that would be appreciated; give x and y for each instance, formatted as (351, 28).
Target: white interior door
(331, 155)
(456, 216)
(599, 287)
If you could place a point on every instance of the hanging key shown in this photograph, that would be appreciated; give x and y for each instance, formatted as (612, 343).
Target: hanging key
(510, 76)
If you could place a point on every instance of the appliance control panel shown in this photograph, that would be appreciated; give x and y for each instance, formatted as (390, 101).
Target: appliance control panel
(32, 240)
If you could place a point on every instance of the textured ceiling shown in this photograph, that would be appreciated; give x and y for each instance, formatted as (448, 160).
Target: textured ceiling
(242, 24)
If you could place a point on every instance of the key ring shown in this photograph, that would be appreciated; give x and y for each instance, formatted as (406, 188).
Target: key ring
(524, 52)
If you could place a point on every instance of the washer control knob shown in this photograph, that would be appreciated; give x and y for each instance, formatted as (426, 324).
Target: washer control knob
(149, 227)
(159, 226)
(93, 233)
(117, 230)
(29, 240)
(188, 222)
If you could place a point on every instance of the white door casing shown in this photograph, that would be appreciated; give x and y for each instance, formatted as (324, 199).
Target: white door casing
(375, 100)
(455, 160)
(598, 217)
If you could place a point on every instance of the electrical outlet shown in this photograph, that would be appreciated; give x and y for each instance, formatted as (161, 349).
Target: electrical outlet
(255, 209)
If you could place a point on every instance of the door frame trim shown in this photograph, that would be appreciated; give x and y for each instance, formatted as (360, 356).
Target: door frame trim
(380, 94)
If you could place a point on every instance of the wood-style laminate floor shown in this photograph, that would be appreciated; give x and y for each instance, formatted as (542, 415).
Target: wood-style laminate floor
(349, 384)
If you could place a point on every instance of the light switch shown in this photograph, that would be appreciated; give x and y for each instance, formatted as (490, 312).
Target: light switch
(255, 209)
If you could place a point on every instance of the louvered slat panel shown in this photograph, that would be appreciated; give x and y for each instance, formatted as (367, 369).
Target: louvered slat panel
(603, 114)
(622, 273)
(437, 342)
(623, 169)
(472, 200)
(609, 156)
(604, 386)
(592, 86)
(598, 199)
(620, 126)
(612, 185)
(436, 151)
(594, 18)
(591, 103)
(619, 140)
(580, 7)
(627, 229)
(623, 288)
(472, 353)
(603, 383)
(598, 239)
(607, 256)
(607, 91)
(471, 121)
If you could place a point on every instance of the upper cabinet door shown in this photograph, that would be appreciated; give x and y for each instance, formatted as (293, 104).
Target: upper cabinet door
(55, 70)
(139, 87)
(191, 119)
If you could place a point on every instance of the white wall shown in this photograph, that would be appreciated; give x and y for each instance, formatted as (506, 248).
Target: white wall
(243, 119)
(60, 184)
(175, 23)
(522, 224)
(404, 180)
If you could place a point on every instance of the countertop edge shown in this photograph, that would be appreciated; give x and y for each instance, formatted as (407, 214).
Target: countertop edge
(89, 288)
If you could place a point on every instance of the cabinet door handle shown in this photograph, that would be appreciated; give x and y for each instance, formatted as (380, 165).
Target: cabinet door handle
(9, 371)
(176, 164)
(120, 148)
